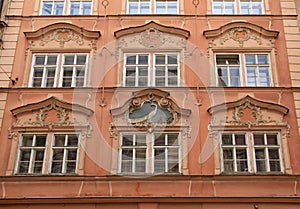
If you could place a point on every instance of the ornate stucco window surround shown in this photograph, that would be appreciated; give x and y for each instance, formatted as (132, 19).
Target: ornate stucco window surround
(68, 124)
(249, 120)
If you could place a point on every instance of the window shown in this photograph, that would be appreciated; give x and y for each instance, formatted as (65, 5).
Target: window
(240, 152)
(70, 7)
(151, 70)
(32, 154)
(59, 70)
(152, 6)
(243, 70)
(245, 7)
(142, 153)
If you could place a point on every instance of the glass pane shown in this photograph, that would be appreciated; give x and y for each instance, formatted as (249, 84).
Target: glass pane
(145, 7)
(229, 8)
(160, 71)
(72, 155)
(143, 71)
(40, 60)
(127, 154)
(24, 167)
(260, 153)
(72, 141)
(227, 139)
(56, 167)
(131, 60)
(126, 166)
(258, 139)
(143, 60)
(217, 7)
(173, 167)
(38, 167)
(140, 166)
(27, 141)
(173, 154)
(52, 59)
(133, 7)
(40, 140)
(47, 8)
(273, 154)
(272, 139)
(71, 166)
(140, 140)
(250, 60)
(69, 60)
(159, 140)
(39, 155)
(172, 59)
(58, 154)
(262, 59)
(25, 155)
(127, 140)
(173, 139)
(228, 166)
(58, 8)
(172, 7)
(75, 8)
(160, 81)
(240, 139)
(275, 166)
(160, 7)
(59, 140)
(160, 59)
(227, 153)
(242, 166)
(81, 60)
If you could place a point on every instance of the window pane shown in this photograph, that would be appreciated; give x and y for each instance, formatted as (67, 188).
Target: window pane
(258, 139)
(40, 60)
(127, 140)
(59, 140)
(58, 8)
(227, 139)
(58, 155)
(160, 59)
(40, 140)
(69, 60)
(131, 60)
(272, 139)
(143, 59)
(47, 8)
(72, 141)
(240, 139)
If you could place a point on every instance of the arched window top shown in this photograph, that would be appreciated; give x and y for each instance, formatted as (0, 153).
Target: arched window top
(154, 26)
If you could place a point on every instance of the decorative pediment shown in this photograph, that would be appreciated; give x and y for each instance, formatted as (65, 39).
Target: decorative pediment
(152, 26)
(149, 109)
(62, 35)
(248, 112)
(50, 114)
(241, 34)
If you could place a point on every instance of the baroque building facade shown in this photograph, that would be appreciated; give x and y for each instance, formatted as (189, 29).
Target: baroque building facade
(150, 104)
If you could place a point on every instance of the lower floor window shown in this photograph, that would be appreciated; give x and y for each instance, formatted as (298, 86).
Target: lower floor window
(142, 153)
(253, 152)
(60, 151)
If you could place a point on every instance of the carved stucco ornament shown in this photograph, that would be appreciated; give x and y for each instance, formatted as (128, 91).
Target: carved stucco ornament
(240, 35)
(63, 35)
(152, 38)
(255, 112)
(150, 109)
(54, 115)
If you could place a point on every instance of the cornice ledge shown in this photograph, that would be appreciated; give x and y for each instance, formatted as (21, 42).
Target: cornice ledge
(80, 30)
(266, 105)
(166, 29)
(52, 100)
(221, 30)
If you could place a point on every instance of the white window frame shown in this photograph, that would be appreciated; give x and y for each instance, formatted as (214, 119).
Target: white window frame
(48, 153)
(32, 153)
(81, 2)
(244, 80)
(251, 154)
(66, 7)
(58, 79)
(150, 152)
(238, 8)
(234, 146)
(267, 148)
(153, 8)
(152, 69)
(65, 149)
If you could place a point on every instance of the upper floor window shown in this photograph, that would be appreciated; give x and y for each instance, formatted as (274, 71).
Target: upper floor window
(152, 7)
(33, 155)
(243, 69)
(246, 7)
(59, 70)
(252, 152)
(142, 153)
(151, 70)
(70, 7)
